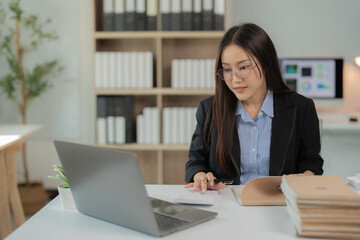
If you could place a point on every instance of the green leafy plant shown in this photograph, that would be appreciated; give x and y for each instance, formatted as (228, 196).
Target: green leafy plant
(20, 34)
(60, 176)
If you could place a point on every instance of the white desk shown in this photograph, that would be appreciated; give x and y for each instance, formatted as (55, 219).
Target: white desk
(233, 222)
(11, 139)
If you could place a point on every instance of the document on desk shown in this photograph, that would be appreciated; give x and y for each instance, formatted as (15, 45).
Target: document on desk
(262, 191)
(188, 196)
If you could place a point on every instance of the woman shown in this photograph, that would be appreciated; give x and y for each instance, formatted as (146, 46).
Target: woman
(254, 125)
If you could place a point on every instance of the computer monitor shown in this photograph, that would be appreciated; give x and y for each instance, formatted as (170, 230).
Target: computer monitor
(317, 78)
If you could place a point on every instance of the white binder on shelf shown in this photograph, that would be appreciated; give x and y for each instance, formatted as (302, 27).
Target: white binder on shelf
(166, 125)
(141, 73)
(188, 125)
(175, 73)
(120, 129)
(148, 69)
(203, 75)
(155, 129)
(140, 129)
(98, 70)
(219, 10)
(182, 75)
(110, 124)
(182, 125)
(151, 13)
(111, 81)
(188, 76)
(127, 69)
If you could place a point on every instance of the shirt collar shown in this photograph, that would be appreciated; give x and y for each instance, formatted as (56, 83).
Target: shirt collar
(267, 107)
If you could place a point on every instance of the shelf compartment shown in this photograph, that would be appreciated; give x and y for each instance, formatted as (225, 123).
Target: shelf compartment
(179, 49)
(148, 165)
(127, 45)
(174, 167)
(179, 101)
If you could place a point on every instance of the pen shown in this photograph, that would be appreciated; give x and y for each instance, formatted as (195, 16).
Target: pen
(222, 180)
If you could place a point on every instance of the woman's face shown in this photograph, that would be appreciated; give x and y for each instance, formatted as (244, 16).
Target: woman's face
(248, 85)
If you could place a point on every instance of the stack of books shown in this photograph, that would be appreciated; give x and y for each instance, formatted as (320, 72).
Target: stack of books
(193, 73)
(115, 121)
(118, 70)
(178, 125)
(129, 15)
(192, 15)
(322, 206)
(147, 126)
(176, 15)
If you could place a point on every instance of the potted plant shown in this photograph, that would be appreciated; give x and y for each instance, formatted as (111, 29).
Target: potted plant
(20, 34)
(64, 190)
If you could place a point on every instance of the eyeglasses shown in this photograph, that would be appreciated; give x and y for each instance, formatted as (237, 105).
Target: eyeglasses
(241, 72)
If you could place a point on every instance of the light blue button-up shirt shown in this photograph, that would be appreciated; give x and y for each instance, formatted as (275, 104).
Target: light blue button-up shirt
(255, 139)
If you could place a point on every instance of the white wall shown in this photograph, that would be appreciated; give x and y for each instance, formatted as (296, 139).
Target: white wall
(341, 151)
(320, 28)
(308, 28)
(66, 110)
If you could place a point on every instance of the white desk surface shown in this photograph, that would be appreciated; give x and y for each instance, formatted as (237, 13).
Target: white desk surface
(19, 129)
(233, 222)
(11, 133)
(341, 125)
(340, 121)
(8, 140)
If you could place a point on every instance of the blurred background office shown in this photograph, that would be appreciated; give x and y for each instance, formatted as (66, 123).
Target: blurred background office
(300, 29)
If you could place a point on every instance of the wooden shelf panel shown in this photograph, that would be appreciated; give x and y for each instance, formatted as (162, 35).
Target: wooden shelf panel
(147, 147)
(122, 35)
(192, 34)
(156, 91)
(150, 91)
(187, 92)
(158, 34)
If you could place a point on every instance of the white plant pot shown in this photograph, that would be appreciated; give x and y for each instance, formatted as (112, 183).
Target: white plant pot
(66, 198)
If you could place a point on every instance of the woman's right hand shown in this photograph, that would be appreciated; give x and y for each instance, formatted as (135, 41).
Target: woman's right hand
(204, 181)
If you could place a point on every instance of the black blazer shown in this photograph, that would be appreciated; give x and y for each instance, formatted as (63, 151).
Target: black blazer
(294, 148)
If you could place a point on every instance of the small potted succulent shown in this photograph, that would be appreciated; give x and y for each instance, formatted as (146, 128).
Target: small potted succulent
(64, 190)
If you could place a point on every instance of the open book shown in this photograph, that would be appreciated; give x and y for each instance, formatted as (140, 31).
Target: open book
(262, 191)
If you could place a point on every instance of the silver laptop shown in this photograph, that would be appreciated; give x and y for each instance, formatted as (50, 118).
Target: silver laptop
(107, 184)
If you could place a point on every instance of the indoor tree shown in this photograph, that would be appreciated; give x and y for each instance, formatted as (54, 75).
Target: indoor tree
(21, 34)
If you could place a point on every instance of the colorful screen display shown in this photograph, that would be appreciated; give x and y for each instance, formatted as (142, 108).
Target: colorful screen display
(313, 78)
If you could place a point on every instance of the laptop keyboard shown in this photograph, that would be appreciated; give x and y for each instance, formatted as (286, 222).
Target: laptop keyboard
(166, 222)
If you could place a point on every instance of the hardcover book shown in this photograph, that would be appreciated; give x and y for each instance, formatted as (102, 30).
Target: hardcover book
(140, 15)
(322, 206)
(165, 15)
(175, 21)
(151, 14)
(108, 15)
(119, 16)
(261, 191)
(186, 15)
(219, 10)
(208, 15)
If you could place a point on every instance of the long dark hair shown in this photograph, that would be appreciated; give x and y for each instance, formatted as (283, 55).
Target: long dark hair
(257, 44)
